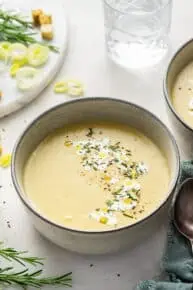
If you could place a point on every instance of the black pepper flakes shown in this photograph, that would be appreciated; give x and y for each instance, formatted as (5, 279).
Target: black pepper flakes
(8, 224)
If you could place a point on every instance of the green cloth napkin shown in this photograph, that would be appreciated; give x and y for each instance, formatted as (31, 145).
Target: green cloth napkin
(177, 262)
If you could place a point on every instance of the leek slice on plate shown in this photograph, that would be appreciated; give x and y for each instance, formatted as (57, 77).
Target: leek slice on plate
(37, 54)
(17, 52)
(16, 65)
(4, 55)
(27, 78)
(4, 50)
(13, 70)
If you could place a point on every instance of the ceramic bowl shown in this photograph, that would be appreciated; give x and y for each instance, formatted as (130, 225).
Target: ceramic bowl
(183, 132)
(95, 109)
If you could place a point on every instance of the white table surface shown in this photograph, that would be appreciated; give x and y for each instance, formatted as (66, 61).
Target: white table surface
(86, 61)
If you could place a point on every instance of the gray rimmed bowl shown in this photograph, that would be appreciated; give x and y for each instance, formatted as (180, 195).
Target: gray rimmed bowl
(95, 109)
(183, 132)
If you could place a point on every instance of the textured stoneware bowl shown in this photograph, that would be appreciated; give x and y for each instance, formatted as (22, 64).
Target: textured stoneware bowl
(95, 109)
(183, 132)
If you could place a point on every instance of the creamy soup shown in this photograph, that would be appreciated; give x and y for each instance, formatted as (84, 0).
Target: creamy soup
(182, 94)
(96, 177)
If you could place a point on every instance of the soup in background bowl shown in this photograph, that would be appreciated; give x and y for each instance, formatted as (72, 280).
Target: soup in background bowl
(182, 94)
(178, 92)
(91, 184)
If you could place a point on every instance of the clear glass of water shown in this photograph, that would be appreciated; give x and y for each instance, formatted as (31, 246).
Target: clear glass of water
(136, 31)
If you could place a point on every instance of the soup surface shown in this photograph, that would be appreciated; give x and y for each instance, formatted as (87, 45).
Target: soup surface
(182, 94)
(96, 176)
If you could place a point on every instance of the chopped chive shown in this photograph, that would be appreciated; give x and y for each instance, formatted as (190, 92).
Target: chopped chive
(109, 203)
(128, 215)
(118, 191)
(90, 133)
(124, 164)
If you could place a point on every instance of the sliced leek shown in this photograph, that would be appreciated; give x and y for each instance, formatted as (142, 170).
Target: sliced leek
(61, 87)
(4, 50)
(17, 52)
(21, 62)
(37, 54)
(27, 78)
(5, 45)
(14, 68)
(4, 55)
(75, 88)
(17, 64)
(71, 87)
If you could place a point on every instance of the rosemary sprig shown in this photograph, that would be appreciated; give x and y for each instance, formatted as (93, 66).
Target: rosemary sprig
(25, 278)
(15, 28)
(15, 17)
(11, 254)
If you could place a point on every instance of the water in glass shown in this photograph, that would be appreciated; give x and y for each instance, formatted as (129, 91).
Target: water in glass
(137, 31)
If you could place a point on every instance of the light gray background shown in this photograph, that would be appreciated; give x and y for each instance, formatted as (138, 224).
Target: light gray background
(86, 61)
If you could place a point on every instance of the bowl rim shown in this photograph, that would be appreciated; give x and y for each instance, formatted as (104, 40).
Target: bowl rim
(165, 88)
(25, 201)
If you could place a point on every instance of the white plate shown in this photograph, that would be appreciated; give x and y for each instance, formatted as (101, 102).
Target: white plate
(12, 98)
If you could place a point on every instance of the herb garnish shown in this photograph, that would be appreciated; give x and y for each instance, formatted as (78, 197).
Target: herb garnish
(90, 133)
(117, 191)
(118, 175)
(128, 215)
(109, 202)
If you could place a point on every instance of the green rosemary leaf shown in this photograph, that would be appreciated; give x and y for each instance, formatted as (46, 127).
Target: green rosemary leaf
(11, 254)
(16, 28)
(25, 278)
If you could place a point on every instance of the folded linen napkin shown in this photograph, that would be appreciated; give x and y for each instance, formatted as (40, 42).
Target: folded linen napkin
(177, 261)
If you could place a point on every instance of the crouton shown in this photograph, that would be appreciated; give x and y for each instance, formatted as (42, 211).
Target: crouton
(36, 16)
(47, 31)
(45, 19)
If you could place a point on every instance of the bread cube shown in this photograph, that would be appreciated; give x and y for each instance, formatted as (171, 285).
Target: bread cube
(45, 19)
(47, 31)
(36, 16)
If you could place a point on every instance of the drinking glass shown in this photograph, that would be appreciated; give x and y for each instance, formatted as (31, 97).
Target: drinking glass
(137, 31)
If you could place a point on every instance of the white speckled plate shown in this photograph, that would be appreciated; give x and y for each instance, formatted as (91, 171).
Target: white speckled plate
(12, 98)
